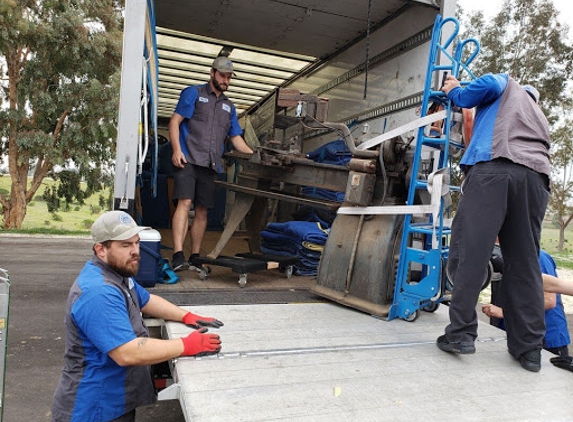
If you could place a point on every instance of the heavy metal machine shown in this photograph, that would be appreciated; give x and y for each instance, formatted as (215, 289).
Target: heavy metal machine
(387, 246)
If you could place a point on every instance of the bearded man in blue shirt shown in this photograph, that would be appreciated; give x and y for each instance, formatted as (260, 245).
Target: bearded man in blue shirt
(108, 351)
(202, 121)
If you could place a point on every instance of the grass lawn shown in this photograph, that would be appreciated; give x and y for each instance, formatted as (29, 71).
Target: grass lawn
(549, 241)
(77, 220)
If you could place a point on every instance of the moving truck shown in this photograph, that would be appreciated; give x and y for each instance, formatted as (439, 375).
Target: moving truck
(308, 73)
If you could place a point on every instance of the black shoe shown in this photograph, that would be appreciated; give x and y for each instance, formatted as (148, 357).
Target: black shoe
(455, 347)
(531, 360)
(178, 261)
(197, 268)
(563, 362)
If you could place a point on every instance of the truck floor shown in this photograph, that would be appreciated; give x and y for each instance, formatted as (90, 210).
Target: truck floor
(325, 362)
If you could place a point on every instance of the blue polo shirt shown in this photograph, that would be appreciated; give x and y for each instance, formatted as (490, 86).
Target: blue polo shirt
(208, 121)
(557, 333)
(103, 312)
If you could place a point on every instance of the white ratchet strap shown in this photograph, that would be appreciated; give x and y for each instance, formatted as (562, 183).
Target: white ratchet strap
(438, 186)
(422, 121)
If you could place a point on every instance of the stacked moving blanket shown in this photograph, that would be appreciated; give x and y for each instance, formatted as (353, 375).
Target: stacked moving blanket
(304, 239)
(335, 152)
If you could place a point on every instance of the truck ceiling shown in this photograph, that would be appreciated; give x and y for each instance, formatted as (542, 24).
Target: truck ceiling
(273, 43)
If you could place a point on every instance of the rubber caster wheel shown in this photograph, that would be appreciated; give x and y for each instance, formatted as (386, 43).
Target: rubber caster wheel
(431, 307)
(204, 273)
(288, 271)
(413, 316)
(243, 280)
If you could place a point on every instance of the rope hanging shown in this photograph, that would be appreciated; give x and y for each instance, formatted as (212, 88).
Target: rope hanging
(367, 48)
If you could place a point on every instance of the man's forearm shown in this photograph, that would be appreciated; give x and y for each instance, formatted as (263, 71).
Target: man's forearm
(240, 144)
(158, 307)
(146, 351)
(556, 285)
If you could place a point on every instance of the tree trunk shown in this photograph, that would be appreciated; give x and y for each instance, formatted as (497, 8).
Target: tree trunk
(561, 242)
(15, 212)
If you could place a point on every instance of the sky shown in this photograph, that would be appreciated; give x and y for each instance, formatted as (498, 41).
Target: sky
(491, 7)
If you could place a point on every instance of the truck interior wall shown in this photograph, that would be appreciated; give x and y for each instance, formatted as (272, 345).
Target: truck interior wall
(400, 77)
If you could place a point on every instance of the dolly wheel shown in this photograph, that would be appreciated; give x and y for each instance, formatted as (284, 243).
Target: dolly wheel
(204, 273)
(431, 307)
(288, 271)
(413, 316)
(243, 280)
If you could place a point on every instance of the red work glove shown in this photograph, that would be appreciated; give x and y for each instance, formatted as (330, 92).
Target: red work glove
(198, 321)
(198, 343)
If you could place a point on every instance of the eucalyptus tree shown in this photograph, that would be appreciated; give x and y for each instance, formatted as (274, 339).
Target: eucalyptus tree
(529, 40)
(561, 200)
(59, 85)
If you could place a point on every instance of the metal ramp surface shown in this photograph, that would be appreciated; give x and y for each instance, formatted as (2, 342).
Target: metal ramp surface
(324, 362)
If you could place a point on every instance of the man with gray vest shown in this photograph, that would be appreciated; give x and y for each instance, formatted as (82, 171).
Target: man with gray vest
(202, 120)
(504, 194)
(108, 351)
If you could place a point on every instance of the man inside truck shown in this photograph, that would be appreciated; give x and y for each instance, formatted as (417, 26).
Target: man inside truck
(108, 351)
(202, 120)
(505, 194)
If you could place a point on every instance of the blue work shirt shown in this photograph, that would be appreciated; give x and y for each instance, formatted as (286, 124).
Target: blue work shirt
(556, 332)
(103, 312)
(208, 121)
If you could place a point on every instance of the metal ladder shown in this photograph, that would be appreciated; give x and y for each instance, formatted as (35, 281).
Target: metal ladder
(4, 308)
(425, 244)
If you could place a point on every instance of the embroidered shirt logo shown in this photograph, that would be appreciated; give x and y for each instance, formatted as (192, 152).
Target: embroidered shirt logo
(226, 107)
(203, 100)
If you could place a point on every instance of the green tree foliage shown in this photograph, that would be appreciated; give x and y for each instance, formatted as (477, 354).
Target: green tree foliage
(60, 78)
(528, 40)
(560, 203)
(70, 188)
(50, 196)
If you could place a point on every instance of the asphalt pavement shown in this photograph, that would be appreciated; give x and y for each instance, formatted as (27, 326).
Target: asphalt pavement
(41, 273)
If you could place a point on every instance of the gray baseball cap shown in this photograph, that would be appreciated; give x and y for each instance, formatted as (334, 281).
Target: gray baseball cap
(115, 225)
(223, 64)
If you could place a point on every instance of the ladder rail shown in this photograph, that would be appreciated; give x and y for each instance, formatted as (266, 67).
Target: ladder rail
(409, 297)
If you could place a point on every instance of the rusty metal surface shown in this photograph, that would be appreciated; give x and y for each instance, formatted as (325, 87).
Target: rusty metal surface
(360, 188)
(371, 282)
(319, 203)
(306, 173)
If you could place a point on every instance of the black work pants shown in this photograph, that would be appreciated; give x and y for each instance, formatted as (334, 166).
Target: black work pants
(127, 417)
(505, 200)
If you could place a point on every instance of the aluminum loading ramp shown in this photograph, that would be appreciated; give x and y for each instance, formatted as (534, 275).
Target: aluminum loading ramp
(324, 362)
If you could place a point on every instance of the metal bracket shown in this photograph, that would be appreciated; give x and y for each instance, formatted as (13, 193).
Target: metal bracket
(4, 311)
(170, 393)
